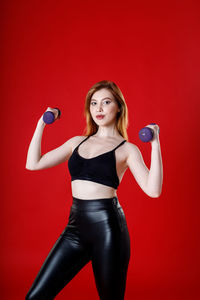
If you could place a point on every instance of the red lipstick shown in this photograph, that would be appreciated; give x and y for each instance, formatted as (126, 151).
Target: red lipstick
(99, 117)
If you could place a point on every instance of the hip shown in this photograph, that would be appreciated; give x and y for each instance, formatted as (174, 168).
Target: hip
(86, 213)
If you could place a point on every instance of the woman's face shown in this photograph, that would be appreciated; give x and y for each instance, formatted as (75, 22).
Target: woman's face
(104, 105)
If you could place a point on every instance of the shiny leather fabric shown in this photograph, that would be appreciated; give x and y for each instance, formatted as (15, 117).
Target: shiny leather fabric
(96, 231)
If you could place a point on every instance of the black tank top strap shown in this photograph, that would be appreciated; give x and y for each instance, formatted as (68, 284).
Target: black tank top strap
(83, 141)
(119, 145)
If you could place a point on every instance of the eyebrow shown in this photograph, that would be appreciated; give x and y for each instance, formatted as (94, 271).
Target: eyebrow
(102, 99)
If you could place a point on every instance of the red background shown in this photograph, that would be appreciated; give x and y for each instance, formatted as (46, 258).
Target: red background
(52, 52)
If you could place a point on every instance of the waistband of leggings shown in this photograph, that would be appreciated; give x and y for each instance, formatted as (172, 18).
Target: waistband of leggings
(95, 204)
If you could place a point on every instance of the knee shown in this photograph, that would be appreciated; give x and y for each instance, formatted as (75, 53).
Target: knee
(32, 296)
(38, 295)
(28, 297)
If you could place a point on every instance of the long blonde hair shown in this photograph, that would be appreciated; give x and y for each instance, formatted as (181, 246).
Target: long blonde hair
(122, 116)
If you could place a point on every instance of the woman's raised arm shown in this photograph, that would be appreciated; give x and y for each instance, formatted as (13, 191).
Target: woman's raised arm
(36, 161)
(151, 180)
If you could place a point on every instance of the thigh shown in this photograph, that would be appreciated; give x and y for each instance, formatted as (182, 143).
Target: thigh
(110, 256)
(63, 262)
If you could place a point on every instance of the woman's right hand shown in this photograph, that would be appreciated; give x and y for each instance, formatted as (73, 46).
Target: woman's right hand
(53, 110)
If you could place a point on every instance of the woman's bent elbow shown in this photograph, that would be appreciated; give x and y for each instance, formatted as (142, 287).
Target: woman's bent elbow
(153, 195)
(31, 168)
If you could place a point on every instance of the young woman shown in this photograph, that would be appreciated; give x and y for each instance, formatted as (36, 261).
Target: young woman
(97, 230)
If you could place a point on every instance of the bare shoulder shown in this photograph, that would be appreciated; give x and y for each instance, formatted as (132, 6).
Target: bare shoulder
(131, 150)
(75, 140)
(130, 146)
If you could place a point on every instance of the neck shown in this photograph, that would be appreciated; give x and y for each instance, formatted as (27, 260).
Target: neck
(107, 131)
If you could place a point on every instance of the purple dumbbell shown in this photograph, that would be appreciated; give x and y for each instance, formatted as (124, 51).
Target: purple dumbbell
(49, 117)
(146, 134)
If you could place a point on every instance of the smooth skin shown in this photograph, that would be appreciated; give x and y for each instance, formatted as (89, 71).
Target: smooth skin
(106, 138)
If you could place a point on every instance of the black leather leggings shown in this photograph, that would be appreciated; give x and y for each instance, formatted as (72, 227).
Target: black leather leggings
(96, 231)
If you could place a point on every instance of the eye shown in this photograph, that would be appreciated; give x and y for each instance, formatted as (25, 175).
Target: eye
(92, 103)
(107, 101)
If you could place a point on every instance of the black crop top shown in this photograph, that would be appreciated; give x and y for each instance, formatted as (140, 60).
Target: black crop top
(100, 169)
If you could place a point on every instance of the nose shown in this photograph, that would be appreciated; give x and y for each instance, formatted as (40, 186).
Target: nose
(99, 107)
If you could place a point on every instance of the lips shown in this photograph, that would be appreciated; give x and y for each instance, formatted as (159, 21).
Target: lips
(100, 117)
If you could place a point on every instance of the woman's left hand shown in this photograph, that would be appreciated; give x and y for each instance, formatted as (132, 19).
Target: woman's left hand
(156, 130)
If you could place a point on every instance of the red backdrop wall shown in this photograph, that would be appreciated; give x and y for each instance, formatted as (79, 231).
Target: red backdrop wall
(52, 52)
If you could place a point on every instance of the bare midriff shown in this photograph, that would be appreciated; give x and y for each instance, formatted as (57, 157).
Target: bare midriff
(88, 190)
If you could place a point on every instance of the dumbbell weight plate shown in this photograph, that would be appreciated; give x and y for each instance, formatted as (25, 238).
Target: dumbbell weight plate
(48, 117)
